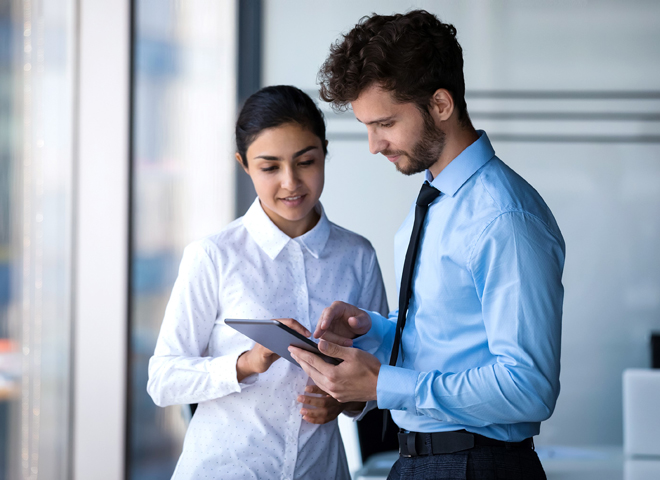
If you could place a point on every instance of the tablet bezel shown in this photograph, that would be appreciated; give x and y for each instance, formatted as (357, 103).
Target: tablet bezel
(277, 337)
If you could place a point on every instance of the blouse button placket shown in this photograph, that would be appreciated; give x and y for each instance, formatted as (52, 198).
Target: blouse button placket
(301, 293)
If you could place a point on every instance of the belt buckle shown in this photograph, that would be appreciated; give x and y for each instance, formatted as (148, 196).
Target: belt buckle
(408, 440)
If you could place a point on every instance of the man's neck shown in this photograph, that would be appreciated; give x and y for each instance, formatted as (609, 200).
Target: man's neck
(457, 140)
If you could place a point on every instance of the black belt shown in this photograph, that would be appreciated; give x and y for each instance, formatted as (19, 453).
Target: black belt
(413, 444)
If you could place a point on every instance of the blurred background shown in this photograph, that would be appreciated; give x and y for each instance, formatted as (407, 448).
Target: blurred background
(116, 150)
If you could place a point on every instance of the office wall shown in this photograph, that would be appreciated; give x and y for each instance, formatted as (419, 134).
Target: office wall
(569, 93)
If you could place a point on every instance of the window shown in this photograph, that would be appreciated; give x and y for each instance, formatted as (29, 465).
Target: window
(183, 174)
(36, 172)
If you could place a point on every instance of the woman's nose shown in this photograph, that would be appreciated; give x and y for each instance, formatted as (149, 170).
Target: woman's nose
(290, 180)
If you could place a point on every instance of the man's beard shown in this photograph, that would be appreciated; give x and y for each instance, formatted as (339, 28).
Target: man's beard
(426, 151)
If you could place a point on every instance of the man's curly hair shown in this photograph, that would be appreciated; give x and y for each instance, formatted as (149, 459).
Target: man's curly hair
(411, 55)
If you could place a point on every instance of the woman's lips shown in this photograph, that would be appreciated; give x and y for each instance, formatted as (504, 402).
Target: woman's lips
(293, 200)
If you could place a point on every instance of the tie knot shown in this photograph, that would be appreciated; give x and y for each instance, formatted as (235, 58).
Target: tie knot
(427, 194)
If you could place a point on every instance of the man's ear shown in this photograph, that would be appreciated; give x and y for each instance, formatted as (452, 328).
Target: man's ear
(442, 105)
(239, 159)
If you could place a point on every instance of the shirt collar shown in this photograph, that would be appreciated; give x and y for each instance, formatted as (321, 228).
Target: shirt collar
(461, 168)
(315, 240)
(272, 240)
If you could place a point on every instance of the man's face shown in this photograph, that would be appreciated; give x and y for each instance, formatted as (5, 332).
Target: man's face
(408, 138)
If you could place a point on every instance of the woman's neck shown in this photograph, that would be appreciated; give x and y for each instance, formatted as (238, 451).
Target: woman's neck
(294, 228)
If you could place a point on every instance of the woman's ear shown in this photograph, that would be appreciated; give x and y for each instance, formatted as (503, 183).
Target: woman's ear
(442, 105)
(239, 159)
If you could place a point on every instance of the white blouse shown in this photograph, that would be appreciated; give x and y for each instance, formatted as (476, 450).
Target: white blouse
(251, 269)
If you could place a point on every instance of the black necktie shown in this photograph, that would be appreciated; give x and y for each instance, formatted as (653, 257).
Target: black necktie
(426, 195)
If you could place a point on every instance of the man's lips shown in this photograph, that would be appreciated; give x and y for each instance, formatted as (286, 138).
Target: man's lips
(393, 157)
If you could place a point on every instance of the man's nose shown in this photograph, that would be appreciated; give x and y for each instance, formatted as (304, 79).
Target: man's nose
(376, 143)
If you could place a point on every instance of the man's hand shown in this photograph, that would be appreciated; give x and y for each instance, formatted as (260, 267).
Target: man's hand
(353, 380)
(341, 322)
(319, 407)
(259, 358)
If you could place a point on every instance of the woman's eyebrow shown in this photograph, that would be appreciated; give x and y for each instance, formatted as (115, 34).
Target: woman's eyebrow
(295, 155)
(304, 150)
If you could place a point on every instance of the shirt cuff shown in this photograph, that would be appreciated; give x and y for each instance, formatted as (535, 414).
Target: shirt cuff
(395, 389)
(356, 415)
(223, 371)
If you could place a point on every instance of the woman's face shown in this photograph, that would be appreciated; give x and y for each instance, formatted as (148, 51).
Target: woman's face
(287, 167)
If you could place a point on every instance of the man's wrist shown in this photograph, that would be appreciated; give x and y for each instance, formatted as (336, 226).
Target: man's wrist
(371, 340)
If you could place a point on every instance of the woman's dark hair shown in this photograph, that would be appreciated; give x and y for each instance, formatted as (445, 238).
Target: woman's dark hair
(274, 106)
(410, 55)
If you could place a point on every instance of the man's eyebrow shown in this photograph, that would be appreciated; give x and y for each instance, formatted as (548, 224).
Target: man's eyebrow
(378, 120)
(295, 155)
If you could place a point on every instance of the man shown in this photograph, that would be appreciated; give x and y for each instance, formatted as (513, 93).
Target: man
(469, 364)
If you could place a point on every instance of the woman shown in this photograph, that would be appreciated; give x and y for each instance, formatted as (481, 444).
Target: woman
(283, 259)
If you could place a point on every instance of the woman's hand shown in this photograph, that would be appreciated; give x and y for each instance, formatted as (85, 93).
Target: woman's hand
(259, 358)
(256, 360)
(321, 408)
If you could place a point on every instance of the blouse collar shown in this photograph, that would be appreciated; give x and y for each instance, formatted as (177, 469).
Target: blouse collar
(272, 240)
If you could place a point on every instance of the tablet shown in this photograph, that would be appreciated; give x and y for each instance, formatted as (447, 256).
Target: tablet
(277, 337)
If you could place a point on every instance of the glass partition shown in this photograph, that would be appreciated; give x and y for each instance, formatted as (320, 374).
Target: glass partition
(36, 172)
(183, 170)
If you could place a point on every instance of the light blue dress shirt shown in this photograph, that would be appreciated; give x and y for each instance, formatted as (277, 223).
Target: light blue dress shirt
(481, 344)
